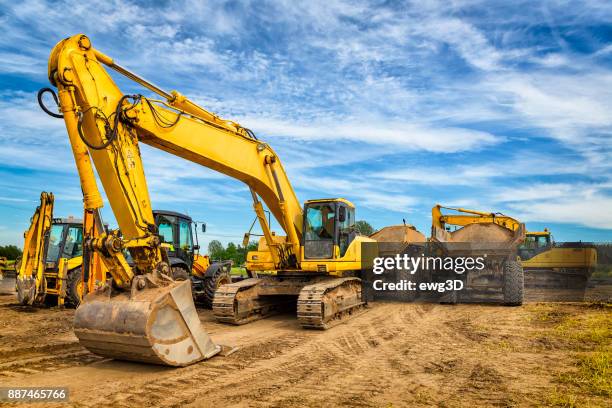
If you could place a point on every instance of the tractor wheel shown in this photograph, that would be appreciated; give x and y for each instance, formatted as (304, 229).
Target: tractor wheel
(514, 283)
(221, 276)
(75, 289)
(179, 273)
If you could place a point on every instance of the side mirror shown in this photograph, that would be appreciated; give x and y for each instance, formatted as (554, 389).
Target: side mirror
(203, 227)
(342, 214)
(245, 240)
(196, 247)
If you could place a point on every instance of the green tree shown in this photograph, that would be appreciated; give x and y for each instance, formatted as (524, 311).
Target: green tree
(231, 252)
(364, 227)
(216, 250)
(11, 252)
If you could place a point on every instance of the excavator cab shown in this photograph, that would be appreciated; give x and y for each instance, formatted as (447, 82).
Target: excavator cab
(329, 228)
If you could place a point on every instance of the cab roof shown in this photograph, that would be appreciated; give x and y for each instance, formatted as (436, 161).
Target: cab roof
(335, 200)
(68, 220)
(172, 213)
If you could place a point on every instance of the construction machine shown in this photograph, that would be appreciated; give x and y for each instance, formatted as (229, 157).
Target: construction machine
(143, 314)
(52, 273)
(176, 231)
(50, 270)
(478, 232)
(550, 265)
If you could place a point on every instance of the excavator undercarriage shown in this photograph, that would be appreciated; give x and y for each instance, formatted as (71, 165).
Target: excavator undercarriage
(321, 301)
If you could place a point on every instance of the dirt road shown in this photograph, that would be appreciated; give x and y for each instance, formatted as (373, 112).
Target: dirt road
(391, 355)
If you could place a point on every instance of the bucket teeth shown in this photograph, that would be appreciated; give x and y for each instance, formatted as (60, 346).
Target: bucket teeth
(156, 325)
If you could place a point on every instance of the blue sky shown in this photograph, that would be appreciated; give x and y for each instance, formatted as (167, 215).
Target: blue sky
(393, 105)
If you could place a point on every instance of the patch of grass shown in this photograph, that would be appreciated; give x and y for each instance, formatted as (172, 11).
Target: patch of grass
(587, 332)
(238, 271)
(562, 399)
(593, 374)
(589, 329)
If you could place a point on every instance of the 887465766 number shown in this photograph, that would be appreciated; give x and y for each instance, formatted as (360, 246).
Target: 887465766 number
(31, 394)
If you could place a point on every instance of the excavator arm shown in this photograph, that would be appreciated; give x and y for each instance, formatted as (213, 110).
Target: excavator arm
(32, 266)
(109, 125)
(141, 314)
(467, 217)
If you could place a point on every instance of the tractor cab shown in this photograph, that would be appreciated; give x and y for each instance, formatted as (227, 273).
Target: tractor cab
(65, 241)
(329, 228)
(177, 237)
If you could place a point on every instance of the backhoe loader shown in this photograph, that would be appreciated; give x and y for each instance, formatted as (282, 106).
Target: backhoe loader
(50, 270)
(142, 314)
(495, 234)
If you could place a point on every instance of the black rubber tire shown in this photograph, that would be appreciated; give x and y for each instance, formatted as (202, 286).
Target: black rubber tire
(514, 283)
(179, 273)
(72, 288)
(211, 284)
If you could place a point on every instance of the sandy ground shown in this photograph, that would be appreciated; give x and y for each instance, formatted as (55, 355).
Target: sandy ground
(391, 355)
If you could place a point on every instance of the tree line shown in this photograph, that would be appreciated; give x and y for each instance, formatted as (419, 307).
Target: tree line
(10, 252)
(233, 252)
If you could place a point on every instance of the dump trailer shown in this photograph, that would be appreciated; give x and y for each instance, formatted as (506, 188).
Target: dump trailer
(556, 271)
(478, 232)
(50, 270)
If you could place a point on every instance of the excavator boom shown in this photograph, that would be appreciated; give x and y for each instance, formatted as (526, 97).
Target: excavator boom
(141, 314)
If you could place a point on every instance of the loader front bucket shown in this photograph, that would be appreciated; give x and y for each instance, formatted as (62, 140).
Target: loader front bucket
(156, 325)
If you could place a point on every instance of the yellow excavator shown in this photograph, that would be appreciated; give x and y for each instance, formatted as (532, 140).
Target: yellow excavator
(496, 234)
(50, 271)
(142, 314)
(550, 265)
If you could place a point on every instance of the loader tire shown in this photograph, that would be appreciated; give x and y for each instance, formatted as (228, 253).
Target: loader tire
(75, 289)
(514, 283)
(220, 277)
(179, 273)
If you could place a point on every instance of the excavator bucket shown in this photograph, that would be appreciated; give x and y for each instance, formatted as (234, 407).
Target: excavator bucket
(156, 325)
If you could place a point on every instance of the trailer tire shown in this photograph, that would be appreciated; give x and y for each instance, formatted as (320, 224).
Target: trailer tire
(514, 283)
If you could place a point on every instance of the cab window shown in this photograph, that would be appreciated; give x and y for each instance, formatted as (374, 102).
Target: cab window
(166, 228)
(55, 242)
(345, 230)
(74, 242)
(542, 241)
(185, 235)
(319, 227)
(320, 222)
